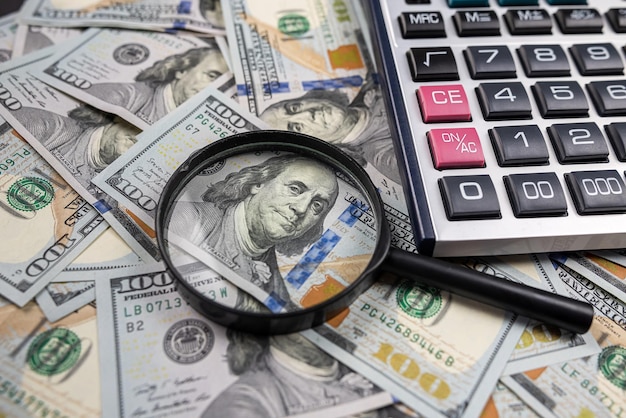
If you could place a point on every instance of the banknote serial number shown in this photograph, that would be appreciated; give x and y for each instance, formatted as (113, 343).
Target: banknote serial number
(148, 308)
(34, 406)
(407, 333)
(10, 162)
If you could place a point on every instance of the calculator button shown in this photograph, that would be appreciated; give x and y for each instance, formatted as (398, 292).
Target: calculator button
(565, 2)
(617, 136)
(500, 101)
(560, 99)
(434, 64)
(536, 194)
(421, 25)
(578, 142)
(579, 20)
(528, 22)
(455, 148)
(468, 3)
(518, 2)
(443, 103)
(490, 62)
(476, 23)
(617, 19)
(519, 145)
(597, 59)
(597, 192)
(469, 197)
(544, 60)
(609, 97)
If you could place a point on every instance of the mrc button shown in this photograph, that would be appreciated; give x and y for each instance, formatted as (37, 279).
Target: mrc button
(443, 103)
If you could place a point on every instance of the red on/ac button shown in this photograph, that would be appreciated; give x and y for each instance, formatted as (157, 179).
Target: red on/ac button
(443, 103)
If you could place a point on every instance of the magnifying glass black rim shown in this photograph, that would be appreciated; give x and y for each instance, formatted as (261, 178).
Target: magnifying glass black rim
(271, 140)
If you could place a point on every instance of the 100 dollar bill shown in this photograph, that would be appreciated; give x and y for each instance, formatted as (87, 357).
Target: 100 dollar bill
(48, 369)
(412, 340)
(139, 76)
(74, 138)
(136, 179)
(160, 15)
(592, 385)
(284, 48)
(45, 223)
(195, 367)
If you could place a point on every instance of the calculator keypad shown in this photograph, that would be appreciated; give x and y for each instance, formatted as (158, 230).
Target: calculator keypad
(516, 111)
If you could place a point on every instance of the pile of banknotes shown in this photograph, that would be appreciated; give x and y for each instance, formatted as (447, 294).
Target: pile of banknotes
(102, 100)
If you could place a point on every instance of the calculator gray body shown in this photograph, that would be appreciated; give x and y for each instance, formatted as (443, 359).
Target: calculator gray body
(571, 223)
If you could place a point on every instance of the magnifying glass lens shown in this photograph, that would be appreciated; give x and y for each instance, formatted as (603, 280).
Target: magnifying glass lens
(293, 230)
(275, 232)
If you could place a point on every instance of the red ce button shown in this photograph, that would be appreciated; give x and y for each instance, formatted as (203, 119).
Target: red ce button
(443, 103)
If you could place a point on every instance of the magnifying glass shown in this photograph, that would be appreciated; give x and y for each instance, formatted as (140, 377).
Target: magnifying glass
(297, 224)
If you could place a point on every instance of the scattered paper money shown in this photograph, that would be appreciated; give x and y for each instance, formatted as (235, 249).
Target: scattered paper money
(58, 299)
(194, 15)
(139, 76)
(48, 369)
(45, 223)
(157, 355)
(30, 38)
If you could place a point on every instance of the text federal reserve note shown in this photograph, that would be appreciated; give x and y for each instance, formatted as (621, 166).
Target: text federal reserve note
(158, 15)
(46, 224)
(160, 355)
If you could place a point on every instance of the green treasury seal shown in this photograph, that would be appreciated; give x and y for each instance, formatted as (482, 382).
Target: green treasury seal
(54, 351)
(30, 194)
(293, 24)
(417, 300)
(612, 364)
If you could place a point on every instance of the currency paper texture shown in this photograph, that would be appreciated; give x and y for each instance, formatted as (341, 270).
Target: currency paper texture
(30, 38)
(588, 386)
(45, 223)
(605, 273)
(139, 76)
(540, 344)
(48, 369)
(159, 15)
(159, 356)
(137, 178)
(76, 139)
(285, 48)
(8, 27)
(58, 299)
(107, 256)
(439, 354)
(304, 66)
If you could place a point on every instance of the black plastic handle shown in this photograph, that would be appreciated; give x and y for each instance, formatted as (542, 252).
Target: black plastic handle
(561, 311)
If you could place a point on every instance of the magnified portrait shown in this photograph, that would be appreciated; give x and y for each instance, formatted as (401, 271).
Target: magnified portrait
(278, 205)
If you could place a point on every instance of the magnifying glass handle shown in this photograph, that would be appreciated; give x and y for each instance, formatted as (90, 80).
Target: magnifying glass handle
(563, 312)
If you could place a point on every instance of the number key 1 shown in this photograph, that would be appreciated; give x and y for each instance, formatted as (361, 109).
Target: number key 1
(519, 145)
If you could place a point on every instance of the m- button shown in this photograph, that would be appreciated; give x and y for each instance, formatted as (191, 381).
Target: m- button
(443, 103)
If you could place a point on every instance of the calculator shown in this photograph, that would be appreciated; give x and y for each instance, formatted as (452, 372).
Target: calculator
(509, 121)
